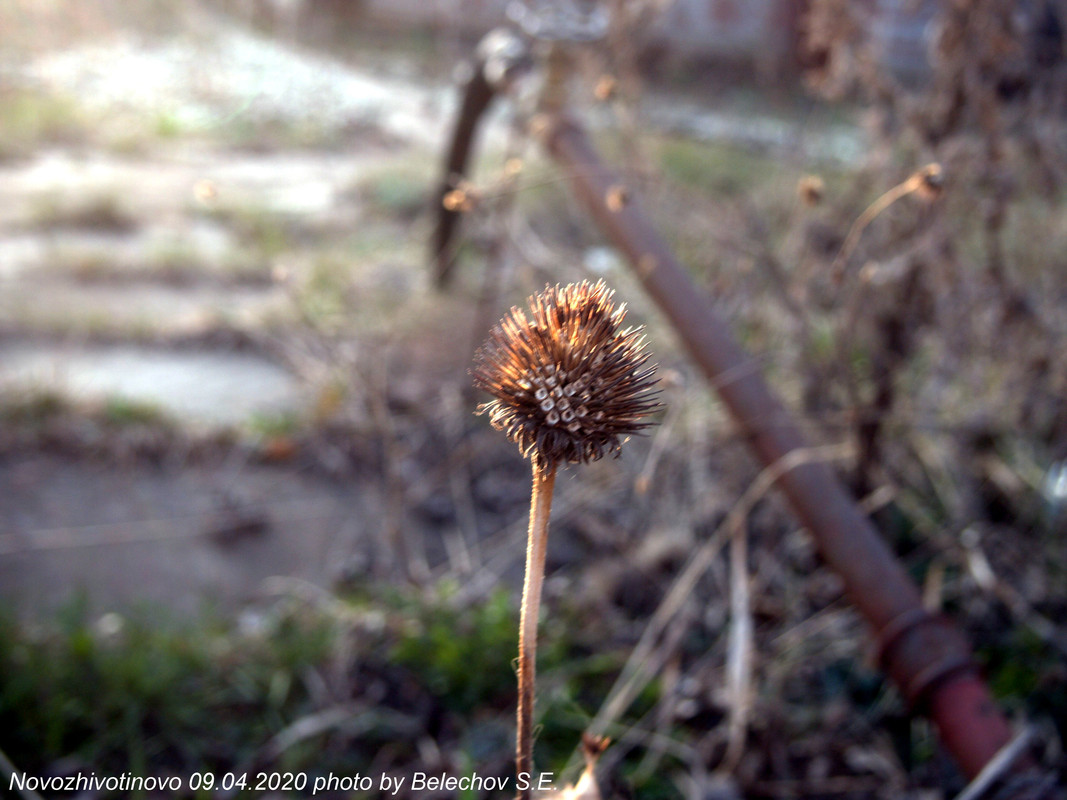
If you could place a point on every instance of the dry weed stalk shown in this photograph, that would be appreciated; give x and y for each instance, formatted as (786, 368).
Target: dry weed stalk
(990, 110)
(569, 387)
(653, 649)
(926, 181)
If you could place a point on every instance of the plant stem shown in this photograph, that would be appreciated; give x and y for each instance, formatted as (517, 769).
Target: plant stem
(536, 546)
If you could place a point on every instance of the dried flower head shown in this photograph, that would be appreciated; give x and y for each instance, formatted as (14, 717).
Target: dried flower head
(569, 384)
(811, 189)
(931, 180)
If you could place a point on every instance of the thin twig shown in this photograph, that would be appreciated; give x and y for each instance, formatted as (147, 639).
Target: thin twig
(914, 182)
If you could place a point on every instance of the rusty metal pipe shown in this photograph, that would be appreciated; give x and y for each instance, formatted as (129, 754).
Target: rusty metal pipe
(927, 657)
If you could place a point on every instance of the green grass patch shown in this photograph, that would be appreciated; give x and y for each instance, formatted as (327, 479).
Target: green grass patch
(30, 119)
(168, 126)
(714, 168)
(461, 654)
(31, 409)
(264, 233)
(274, 424)
(266, 135)
(143, 694)
(101, 212)
(399, 192)
(123, 411)
(132, 694)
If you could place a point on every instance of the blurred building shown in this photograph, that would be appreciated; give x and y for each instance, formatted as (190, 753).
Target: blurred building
(766, 34)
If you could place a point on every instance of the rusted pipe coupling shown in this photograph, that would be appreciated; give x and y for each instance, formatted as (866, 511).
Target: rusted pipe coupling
(919, 650)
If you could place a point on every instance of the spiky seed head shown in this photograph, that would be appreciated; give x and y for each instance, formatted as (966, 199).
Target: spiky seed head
(569, 384)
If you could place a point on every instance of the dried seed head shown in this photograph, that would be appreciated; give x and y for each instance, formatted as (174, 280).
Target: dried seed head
(569, 384)
(931, 181)
(811, 189)
(617, 198)
(461, 199)
(606, 88)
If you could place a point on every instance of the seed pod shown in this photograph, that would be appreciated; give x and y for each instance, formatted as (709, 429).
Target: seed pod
(811, 189)
(571, 347)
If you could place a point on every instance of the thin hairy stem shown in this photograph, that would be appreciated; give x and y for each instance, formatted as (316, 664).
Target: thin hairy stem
(544, 479)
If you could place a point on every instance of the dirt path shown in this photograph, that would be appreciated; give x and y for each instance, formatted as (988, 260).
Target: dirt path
(176, 536)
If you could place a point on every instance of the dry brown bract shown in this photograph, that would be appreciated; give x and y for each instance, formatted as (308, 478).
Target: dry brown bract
(570, 386)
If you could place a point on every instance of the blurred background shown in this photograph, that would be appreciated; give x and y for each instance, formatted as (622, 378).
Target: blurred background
(248, 519)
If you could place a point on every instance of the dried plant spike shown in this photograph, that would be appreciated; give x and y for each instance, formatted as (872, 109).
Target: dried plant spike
(811, 189)
(927, 181)
(570, 384)
(606, 88)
